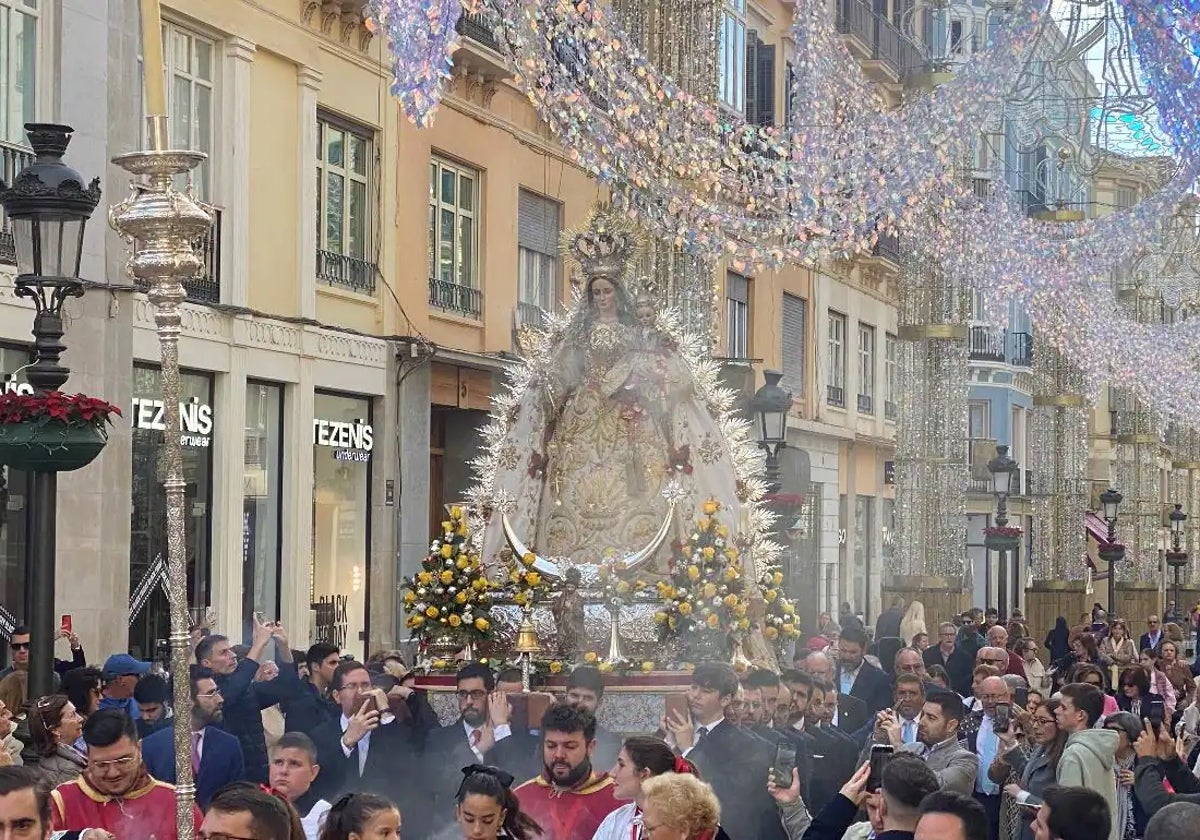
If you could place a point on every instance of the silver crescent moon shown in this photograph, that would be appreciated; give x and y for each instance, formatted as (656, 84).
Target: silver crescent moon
(631, 562)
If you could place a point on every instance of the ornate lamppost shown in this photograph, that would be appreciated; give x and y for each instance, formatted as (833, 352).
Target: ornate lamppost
(1112, 552)
(1177, 558)
(1001, 538)
(771, 404)
(48, 206)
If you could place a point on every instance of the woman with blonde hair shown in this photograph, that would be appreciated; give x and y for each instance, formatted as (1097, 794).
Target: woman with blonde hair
(1117, 647)
(913, 622)
(680, 807)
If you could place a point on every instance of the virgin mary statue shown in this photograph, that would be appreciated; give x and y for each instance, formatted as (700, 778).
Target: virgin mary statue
(614, 432)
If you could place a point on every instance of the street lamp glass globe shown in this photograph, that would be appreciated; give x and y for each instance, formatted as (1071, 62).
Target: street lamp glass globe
(771, 404)
(1177, 517)
(1110, 500)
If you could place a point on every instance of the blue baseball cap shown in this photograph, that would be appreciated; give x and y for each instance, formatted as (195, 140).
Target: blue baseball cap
(122, 664)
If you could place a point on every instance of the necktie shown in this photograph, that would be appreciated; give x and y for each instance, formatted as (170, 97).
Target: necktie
(700, 733)
(907, 735)
(196, 738)
(476, 735)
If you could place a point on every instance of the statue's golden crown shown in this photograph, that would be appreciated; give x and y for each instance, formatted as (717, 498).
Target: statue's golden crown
(603, 251)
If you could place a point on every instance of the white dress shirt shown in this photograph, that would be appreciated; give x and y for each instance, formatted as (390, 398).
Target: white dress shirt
(707, 727)
(499, 733)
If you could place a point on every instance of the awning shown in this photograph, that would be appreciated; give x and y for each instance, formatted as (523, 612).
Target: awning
(1096, 532)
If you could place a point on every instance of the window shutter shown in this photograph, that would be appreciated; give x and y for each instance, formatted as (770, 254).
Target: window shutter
(752, 76)
(765, 56)
(537, 223)
(794, 325)
(790, 81)
(737, 287)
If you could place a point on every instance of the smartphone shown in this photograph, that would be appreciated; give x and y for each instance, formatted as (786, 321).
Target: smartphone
(1021, 697)
(785, 762)
(1155, 714)
(1002, 717)
(65, 623)
(881, 754)
(677, 704)
(537, 705)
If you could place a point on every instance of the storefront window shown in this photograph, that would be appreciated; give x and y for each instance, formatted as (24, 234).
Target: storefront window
(13, 493)
(149, 624)
(262, 493)
(342, 442)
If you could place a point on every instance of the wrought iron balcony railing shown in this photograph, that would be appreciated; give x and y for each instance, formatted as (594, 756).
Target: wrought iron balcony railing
(454, 298)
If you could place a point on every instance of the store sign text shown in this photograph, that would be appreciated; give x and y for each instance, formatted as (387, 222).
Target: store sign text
(12, 386)
(349, 441)
(195, 420)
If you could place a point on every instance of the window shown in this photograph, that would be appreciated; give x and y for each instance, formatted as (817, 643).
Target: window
(794, 329)
(190, 92)
(837, 359)
(18, 68)
(979, 430)
(453, 272)
(731, 55)
(737, 302)
(537, 256)
(1126, 198)
(866, 368)
(262, 502)
(343, 205)
(760, 81)
(891, 373)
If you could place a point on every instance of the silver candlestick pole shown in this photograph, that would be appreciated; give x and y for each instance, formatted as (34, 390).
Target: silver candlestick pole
(162, 223)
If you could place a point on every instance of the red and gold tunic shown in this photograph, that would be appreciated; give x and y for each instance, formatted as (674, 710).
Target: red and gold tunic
(144, 813)
(568, 814)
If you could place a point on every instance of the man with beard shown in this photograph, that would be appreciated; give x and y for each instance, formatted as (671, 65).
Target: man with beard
(848, 713)
(754, 719)
(956, 767)
(569, 799)
(585, 689)
(115, 792)
(216, 755)
(833, 750)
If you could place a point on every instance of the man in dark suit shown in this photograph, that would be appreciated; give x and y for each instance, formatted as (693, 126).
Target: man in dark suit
(366, 750)
(1153, 638)
(859, 678)
(475, 738)
(216, 755)
(732, 760)
(755, 720)
(833, 753)
(848, 714)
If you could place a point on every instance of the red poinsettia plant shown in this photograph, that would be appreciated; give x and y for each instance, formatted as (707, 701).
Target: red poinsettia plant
(1001, 531)
(72, 409)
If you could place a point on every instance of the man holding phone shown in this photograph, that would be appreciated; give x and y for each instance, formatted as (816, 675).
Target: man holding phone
(893, 810)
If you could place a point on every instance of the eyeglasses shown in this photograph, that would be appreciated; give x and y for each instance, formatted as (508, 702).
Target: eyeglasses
(116, 762)
(212, 835)
(19, 645)
(476, 695)
(1037, 721)
(207, 695)
(994, 661)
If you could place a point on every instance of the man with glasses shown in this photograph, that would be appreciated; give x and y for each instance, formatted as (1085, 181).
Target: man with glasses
(115, 792)
(947, 653)
(216, 755)
(483, 724)
(18, 645)
(1153, 638)
(983, 740)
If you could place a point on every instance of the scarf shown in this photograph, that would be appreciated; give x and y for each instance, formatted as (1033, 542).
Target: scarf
(1125, 823)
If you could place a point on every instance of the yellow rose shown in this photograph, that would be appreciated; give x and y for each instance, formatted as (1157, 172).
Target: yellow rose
(424, 577)
(671, 623)
(431, 612)
(722, 532)
(439, 663)
(622, 587)
(482, 625)
(447, 526)
(771, 595)
(771, 633)
(479, 584)
(533, 578)
(456, 512)
(410, 596)
(789, 628)
(556, 667)
(777, 578)
(528, 558)
(447, 576)
(455, 620)
(703, 522)
(647, 667)
(743, 624)
(731, 573)
(711, 506)
(685, 608)
(461, 597)
(693, 572)
(740, 610)
(668, 591)
(639, 584)
(416, 621)
(709, 552)
(660, 618)
(590, 656)
(605, 668)
(731, 600)
(461, 562)
(731, 553)
(710, 589)
(519, 599)
(514, 576)
(788, 609)
(714, 621)
(447, 549)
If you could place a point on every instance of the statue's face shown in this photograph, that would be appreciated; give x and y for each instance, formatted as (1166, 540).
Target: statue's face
(604, 297)
(645, 315)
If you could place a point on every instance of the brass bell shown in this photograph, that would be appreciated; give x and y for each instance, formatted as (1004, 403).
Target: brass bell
(527, 637)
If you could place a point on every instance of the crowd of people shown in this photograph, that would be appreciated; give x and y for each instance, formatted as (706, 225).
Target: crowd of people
(979, 734)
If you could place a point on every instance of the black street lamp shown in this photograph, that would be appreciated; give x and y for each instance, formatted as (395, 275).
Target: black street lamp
(48, 206)
(1000, 538)
(771, 405)
(1177, 558)
(1112, 552)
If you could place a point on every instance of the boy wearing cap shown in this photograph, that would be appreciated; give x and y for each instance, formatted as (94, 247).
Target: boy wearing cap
(121, 673)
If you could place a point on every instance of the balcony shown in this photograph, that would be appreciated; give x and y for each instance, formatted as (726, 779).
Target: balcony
(1020, 349)
(886, 54)
(835, 396)
(455, 299)
(985, 345)
(982, 188)
(205, 287)
(530, 315)
(888, 248)
(345, 272)
(479, 50)
(866, 404)
(890, 410)
(13, 159)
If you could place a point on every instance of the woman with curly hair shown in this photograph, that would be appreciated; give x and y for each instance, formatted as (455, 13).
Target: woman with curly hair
(681, 807)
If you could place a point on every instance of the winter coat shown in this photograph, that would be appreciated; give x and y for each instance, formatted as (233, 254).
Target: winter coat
(1087, 761)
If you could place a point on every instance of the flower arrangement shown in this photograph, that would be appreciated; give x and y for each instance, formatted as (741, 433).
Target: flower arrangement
(617, 592)
(702, 603)
(450, 593)
(1001, 531)
(780, 622)
(50, 406)
(526, 582)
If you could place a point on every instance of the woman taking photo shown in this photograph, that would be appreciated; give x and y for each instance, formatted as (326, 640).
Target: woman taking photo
(55, 726)
(1033, 765)
(486, 808)
(361, 816)
(1117, 647)
(680, 807)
